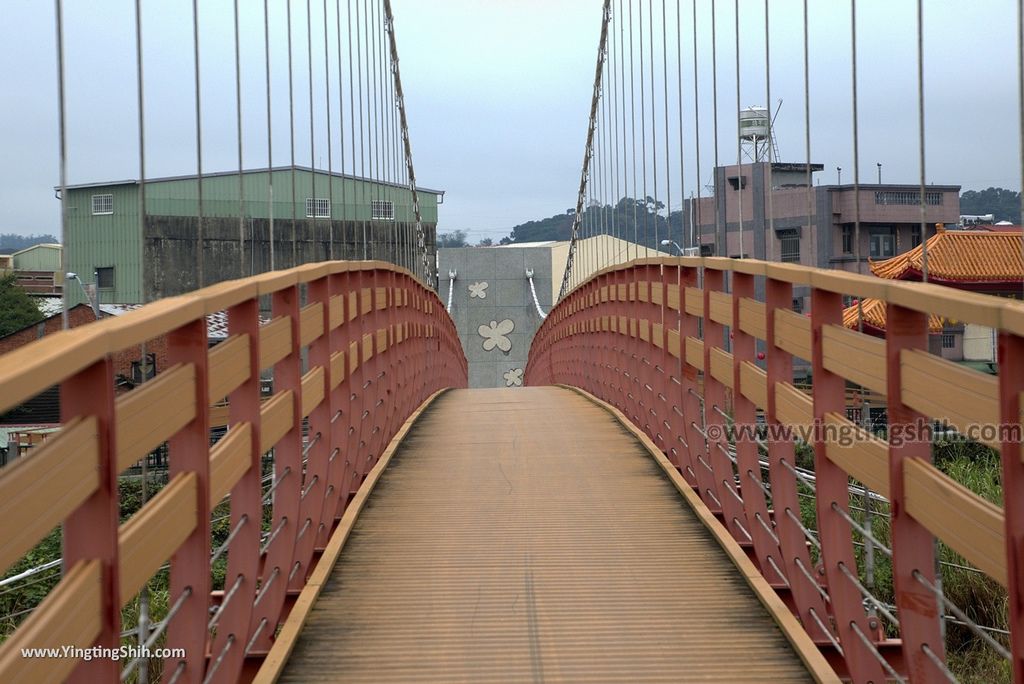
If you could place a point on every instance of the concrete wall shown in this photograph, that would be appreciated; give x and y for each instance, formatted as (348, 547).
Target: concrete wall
(170, 248)
(493, 308)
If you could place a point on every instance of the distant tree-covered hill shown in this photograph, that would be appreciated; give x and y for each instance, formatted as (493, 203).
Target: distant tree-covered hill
(12, 242)
(631, 219)
(1003, 203)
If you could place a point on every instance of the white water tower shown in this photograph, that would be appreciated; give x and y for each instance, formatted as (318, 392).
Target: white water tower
(756, 134)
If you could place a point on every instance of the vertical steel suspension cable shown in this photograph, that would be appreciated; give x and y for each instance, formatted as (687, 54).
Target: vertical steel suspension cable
(869, 556)
(143, 617)
(371, 119)
(654, 124)
(869, 560)
(270, 139)
(200, 280)
(739, 140)
(588, 218)
(362, 129)
(291, 135)
(720, 230)
(807, 136)
(341, 123)
(920, 133)
(695, 215)
(603, 161)
(63, 153)
(608, 153)
(679, 112)
(366, 162)
(855, 131)
(388, 151)
(924, 254)
(632, 146)
(643, 125)
(1020, 108)
(602, 244)
(312, 131)
(616, 194)
(381, 166)
(668, 173)
(352, 125)
(595, 194)
(404, 237)
(385, 149)
(371, 113)
(769, 239)
(330, 142)
(238, 132)
(141, 105)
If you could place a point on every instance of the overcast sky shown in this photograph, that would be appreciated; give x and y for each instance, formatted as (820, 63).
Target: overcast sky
(498, 94)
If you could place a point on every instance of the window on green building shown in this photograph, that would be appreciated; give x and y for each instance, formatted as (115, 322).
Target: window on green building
(102, 204)
(383, 210)
(318, 208)
(105, 278)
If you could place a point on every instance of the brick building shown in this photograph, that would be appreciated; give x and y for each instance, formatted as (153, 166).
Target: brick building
(815, 225)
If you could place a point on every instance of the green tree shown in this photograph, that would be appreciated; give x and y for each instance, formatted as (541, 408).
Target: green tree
(456, 238)
(1002, 203)
(17, 309)
(639, 220)
(12, 242)
(486, 242)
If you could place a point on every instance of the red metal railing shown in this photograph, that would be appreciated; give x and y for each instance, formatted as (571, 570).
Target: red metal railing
(354, 349)
(674, 344)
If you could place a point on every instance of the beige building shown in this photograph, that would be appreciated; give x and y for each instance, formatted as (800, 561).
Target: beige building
(593, 254)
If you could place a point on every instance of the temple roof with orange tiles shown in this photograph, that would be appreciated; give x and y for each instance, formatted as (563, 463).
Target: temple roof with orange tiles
(986, 260)
(869, 316)
(965, 259)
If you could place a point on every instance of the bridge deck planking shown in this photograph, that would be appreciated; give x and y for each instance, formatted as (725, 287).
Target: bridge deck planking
(525, 535)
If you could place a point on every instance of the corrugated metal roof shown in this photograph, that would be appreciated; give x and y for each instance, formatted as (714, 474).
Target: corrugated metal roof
(215, 174)
(41, 245)
(524, 535)
(216, 323)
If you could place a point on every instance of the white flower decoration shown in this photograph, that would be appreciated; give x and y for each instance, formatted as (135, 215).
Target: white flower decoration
(514, 377)
(478, 290)
(494, 335)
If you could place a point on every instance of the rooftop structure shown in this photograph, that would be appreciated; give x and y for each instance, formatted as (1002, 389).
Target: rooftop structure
(817, 225)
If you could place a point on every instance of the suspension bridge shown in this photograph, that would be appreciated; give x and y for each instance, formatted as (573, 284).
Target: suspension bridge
(637, 512)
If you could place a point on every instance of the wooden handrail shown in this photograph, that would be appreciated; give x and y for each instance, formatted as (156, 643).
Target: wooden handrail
(628, 336)
(341, 337)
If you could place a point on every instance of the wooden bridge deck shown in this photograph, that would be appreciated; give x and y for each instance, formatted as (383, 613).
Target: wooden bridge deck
(527, 535)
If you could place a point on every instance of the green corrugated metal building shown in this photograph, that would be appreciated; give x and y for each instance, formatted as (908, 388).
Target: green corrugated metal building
(43, 257)
(331, 216)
